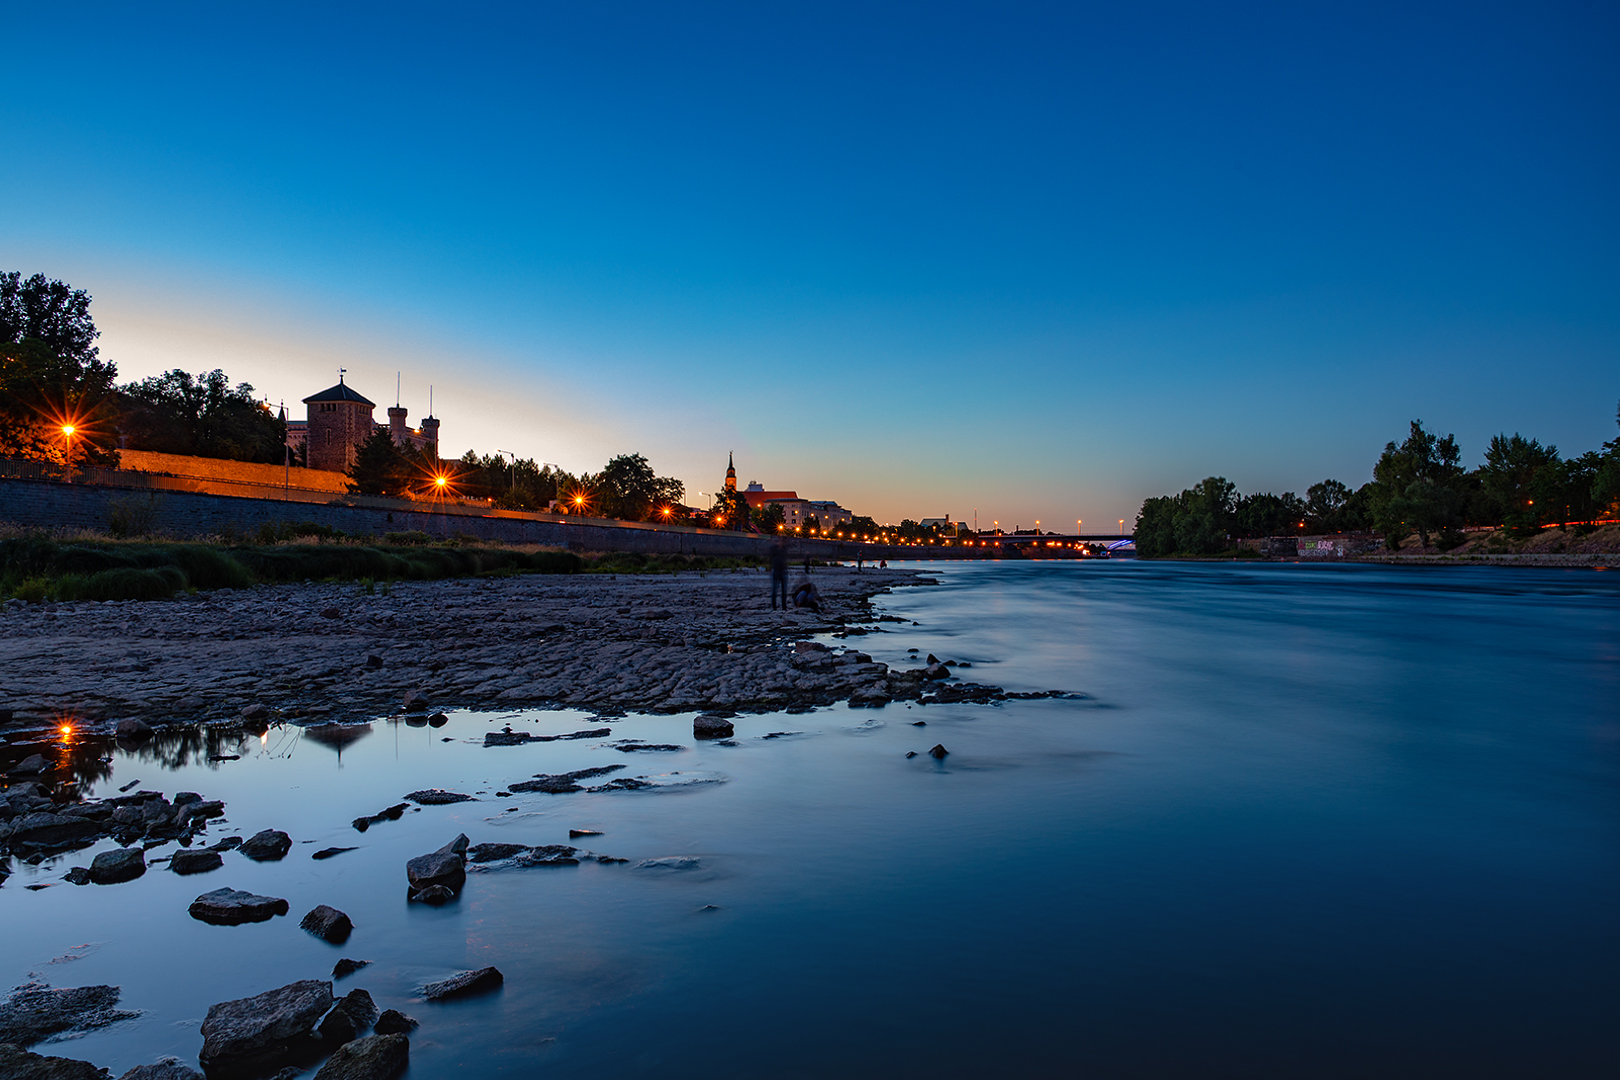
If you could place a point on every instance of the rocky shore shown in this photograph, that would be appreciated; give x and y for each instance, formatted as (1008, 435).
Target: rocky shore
(334, 652)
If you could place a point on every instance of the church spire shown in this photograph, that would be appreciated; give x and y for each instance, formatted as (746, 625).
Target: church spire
(731, 472)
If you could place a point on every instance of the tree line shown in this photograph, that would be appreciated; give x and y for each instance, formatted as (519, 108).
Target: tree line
(1418, 486)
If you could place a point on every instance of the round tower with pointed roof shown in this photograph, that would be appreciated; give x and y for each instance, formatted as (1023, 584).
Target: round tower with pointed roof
(339, 421)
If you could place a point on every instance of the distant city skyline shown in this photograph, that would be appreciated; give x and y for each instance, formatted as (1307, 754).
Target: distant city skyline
(1041, 261)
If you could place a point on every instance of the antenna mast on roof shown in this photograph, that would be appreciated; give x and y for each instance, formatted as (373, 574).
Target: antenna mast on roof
(396, 389)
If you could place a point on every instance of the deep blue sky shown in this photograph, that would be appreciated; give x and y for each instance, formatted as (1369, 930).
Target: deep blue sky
(1041, 261)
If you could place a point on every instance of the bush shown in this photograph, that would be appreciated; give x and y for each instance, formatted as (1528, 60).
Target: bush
(402, 539)
(124, 584)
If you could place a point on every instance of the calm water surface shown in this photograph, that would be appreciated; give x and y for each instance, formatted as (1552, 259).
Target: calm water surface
(1307, 822)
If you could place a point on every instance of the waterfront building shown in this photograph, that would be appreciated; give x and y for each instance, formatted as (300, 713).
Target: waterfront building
(796, 511)
(340, 420)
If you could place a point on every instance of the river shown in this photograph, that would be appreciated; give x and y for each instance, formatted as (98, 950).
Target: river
(1301, 821)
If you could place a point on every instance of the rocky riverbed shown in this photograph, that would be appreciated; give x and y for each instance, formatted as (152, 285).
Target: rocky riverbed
(336, 652)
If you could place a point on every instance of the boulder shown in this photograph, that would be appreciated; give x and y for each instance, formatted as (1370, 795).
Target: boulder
(374, 661)
(124, 864)
(32, 765)
(18, 1064)
(482, 853)
(44, 831)
(465, 982)
(939, 751)
(447, 867)
(346, 966)
(266, 1024)
(348, 1018)
(256, 711)
(331, 613)
(167, 1069)
(328, 852)
(416, 701)
(936, 672)
(195, 862)
(375, 1057)
(433, 894)
(328, 923)
(437, 797)
(712, 727)
(229, 907)
(36, 1011)
(78, 875)
(186, 798)
(393, 1022)
(266, 846)
(131, 728)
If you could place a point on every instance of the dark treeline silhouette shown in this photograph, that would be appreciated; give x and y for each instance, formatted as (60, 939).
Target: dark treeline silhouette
(1418, 486)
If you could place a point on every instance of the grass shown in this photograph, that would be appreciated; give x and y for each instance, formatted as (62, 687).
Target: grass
(37, 567)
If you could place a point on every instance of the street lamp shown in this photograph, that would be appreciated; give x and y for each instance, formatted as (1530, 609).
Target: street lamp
(513, 456)
(1122, 526)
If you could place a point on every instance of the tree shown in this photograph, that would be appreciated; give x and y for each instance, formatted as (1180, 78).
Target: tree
(1606, 477)
(54, 386)
(1324, 506)
(1416, 486)
(379, 468)
(770, 518)
(1522, 481)
(201, 415)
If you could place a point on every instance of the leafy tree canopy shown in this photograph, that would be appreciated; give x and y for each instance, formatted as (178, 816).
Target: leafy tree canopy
(51, 374)
(203, 415)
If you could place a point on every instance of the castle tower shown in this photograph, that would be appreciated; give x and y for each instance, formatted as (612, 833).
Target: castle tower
(430, 435)
(398, 429)
(339, 421)
(731, 473)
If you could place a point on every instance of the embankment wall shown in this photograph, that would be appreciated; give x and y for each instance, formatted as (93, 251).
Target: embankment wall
(52, 504)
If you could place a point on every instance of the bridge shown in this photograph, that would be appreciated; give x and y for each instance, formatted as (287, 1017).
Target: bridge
(1050, 545)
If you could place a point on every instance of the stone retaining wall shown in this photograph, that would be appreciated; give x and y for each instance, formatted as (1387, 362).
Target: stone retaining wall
(52, 504)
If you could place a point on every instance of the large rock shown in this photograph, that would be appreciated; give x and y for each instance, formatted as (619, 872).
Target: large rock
(35, 1011)
(228, 907)
(264, 1025)
(167, 1069)
(393, 1022)
(446, 867)
(328, 923)
(712, 727)
(131, 728)
(462, 983)
(349, 1018)
(45, 832)
(375, 1057)
(32, 765)
(266, 846)
(438, 797)
(195, 862)
(124, 864)
(18, 1064)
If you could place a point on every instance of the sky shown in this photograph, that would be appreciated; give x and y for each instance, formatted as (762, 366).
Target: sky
(1023, 261)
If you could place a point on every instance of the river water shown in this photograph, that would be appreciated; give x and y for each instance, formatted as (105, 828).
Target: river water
(1331, 821)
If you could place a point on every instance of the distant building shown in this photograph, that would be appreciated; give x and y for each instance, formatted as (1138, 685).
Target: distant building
(796, 511)
(340, 419)
(945, 525)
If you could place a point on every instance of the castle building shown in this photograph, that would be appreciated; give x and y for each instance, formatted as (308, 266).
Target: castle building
(340, 420)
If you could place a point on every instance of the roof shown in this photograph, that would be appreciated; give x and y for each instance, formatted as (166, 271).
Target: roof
(340, 392)
(755, 498)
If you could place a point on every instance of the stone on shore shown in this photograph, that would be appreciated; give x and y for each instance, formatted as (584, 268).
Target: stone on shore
(35, 1011)
(195, 862)
(462, 983)
(483, 853)
(393, 1022)
(346, 966)
(327, 853)
(712, 727)
(230, 907)
(446, 867)
(563, 783)
(19, 1064)
(266, 1024)
(939, 751)
(131, 728)
(348, 1018)
(416, 701)
(375, 1057)
(112, 867)
(438, 797)
(433, 895)
(328, 923)
(167, 1069)
(267, 846)
(32, 765)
